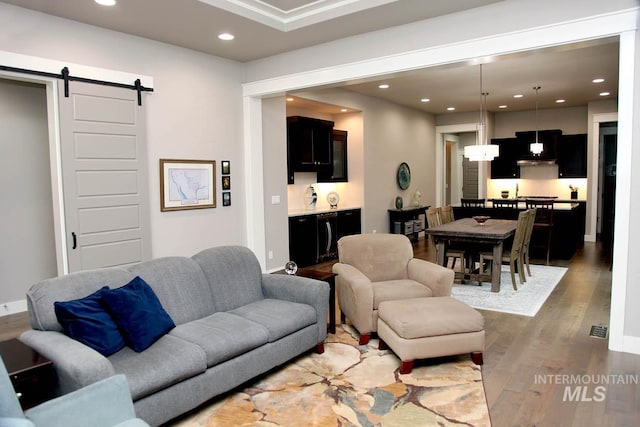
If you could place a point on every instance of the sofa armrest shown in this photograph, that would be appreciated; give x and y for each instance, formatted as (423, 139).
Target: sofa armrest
(436, 277)
(355, 295)
(76, 364)
(15, 422)
(301, 290)
(104, 403)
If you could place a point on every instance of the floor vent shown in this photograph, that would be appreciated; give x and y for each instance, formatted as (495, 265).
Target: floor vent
(598, 331)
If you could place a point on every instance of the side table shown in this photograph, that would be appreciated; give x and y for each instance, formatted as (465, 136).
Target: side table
(325, 276)
(31, 374)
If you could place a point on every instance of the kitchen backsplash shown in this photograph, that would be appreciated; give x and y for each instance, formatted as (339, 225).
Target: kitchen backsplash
(538, 181)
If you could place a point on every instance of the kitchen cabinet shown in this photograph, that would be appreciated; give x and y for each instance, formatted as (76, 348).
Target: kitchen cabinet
(338, 170)
(505, 165)
(548, 138)
(308, 145)
(314, 238)
(572, 156)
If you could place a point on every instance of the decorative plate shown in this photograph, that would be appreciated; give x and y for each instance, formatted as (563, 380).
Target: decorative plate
(333, 198)
(404, 176)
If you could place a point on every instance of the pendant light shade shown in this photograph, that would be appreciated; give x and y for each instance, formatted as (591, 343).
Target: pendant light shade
(482, 150)
(536, 146)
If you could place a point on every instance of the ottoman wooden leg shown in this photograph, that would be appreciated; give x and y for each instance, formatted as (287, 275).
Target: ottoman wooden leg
(477, 358)
(382, 345)
(364, 339)
(406, 367)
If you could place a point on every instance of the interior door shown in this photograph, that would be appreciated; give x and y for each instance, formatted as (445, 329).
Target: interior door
(104, 176)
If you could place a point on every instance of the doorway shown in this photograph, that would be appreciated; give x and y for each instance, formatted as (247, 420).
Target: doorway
(608, 148)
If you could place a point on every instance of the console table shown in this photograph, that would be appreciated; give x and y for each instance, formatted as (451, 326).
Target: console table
(399, 219)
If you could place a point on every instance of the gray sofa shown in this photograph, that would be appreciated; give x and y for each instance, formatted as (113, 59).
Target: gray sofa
(232, 323)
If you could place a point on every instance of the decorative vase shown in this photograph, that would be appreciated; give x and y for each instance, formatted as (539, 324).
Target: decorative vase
(574, 195)
(399, 202)
(310, 198)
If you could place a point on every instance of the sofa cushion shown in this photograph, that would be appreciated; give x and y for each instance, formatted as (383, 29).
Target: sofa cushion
(234, 275)
(223, 336)
(391, 290)
(180, 286)
(281, 318)
(168, 361)
(138, 313)
(87, 320)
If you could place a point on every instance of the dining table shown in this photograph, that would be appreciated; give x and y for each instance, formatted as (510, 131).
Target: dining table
(467, 231)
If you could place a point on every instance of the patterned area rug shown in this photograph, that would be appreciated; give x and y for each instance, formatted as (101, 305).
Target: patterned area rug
(351, 385)
(526, 301)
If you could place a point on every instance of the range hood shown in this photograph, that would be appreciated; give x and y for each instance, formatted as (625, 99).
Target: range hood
(536, 162)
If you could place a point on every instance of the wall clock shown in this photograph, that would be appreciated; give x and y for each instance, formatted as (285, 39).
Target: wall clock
(404, 176)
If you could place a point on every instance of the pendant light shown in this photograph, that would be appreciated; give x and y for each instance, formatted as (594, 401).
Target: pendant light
(482, 150)
(536, 146)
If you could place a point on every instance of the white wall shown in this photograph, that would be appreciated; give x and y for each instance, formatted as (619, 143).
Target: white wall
(27, 251)
(195, 112)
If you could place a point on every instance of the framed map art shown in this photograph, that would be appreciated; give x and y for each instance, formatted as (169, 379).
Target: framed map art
(187, 184)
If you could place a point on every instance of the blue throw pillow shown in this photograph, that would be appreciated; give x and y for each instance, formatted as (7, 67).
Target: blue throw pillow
(138, 313)
(86, 320)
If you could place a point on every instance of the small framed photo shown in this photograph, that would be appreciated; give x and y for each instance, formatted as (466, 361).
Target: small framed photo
(226, 198)
(226, 183)
(187, 184)
(226, 167)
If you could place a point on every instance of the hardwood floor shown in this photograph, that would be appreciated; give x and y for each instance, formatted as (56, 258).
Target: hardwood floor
(526, 357)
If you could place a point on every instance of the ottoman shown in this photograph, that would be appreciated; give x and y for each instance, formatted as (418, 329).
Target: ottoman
(420, 328)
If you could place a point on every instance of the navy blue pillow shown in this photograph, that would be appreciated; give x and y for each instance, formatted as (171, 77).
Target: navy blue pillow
(86, 320)
(138, 313)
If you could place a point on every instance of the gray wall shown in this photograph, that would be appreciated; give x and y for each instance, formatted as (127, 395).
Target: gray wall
(27, 252)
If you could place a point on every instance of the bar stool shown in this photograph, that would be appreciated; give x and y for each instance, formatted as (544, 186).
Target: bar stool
(544, 219)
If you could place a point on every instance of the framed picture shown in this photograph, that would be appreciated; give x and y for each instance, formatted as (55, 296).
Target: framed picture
(187, 184)
(226, 167)
(226, 198)
(226, 183)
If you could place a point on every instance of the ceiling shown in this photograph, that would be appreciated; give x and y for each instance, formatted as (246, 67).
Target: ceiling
(267, 27)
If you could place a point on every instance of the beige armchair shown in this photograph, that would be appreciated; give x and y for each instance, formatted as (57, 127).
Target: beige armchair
(380, 267)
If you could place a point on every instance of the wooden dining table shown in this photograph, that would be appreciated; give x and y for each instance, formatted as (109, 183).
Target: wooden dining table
(493, 233)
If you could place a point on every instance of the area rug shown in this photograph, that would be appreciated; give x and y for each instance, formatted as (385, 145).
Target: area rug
(352, 385)
(526, 301)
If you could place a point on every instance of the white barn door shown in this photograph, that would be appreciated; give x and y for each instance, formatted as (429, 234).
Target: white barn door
(104, 174)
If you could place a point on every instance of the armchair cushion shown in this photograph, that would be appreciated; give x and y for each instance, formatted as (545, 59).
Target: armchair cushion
(138, 313)
(391, 290)
(378, 256)
(87, 320)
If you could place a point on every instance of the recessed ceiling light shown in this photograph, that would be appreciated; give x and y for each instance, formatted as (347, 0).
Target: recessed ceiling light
(559, 101)
(425, 100)
(605, 93)
(383, 86)
(598, 80)
(289, 99)
(226, 36)
(451, 108)
(106, 2)
(502, 106)
(344, 110)
(519, 95)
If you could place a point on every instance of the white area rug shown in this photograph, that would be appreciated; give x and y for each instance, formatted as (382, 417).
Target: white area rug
(526, 301)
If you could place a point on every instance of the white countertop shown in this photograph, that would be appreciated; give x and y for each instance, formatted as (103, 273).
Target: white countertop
(321, 210)
(561, 206)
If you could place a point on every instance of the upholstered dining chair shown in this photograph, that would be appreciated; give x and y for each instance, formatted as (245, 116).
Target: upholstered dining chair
(512, 254)
(377, 267)
(106, 403)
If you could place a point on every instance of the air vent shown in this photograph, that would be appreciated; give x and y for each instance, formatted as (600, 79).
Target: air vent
(598, 331)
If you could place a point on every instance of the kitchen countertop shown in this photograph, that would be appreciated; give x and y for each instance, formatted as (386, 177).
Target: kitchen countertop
(561, 205)
(301, 212)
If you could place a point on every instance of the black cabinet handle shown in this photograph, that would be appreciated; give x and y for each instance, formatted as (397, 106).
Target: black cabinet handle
(75, 242)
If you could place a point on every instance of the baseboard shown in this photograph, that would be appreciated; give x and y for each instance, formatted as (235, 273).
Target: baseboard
(14, 307)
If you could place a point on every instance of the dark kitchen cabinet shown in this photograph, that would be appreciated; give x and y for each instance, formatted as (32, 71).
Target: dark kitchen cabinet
(548, 138)
(338, 170)
(314, 238)
(308, 145)
(572, 156)
(505, 165)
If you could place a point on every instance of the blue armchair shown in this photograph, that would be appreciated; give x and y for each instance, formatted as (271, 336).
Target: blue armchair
(106, 403)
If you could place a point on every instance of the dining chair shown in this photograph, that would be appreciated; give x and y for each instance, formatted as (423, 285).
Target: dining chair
(503, 203)
(439, 216)
(472, 203)
(512, 254)
(531, 219)
(543, 221)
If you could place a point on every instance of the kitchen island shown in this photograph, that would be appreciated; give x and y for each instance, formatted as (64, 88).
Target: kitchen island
(568, 230)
